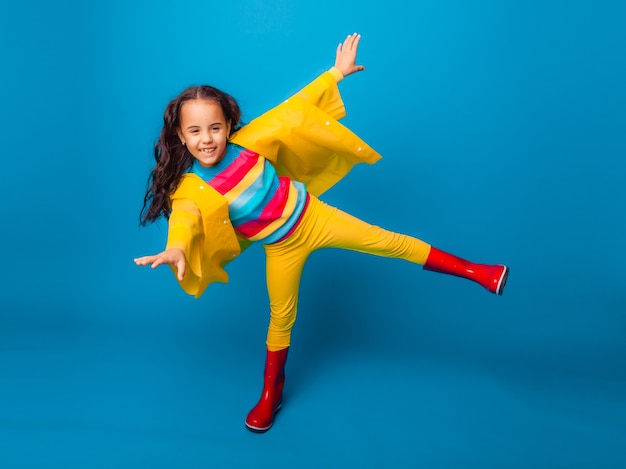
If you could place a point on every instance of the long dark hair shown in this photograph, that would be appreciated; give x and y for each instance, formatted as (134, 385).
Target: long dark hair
(172, 157)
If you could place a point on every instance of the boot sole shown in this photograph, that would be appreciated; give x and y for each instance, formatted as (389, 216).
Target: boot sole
(503, 279)
(264, 429)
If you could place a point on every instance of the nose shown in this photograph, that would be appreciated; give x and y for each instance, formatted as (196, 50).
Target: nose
(207, 137)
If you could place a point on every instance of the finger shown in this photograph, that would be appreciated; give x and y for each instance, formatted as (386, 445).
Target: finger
(145, 260)
(350, 41)
(346, 42)
(180, 266)
(160, 261)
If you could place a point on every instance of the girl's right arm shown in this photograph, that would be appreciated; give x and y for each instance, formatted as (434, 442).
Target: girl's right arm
(184, 231)
(173, 256)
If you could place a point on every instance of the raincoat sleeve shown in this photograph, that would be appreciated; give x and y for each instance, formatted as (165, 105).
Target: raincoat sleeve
(303, 138)
(199, 225)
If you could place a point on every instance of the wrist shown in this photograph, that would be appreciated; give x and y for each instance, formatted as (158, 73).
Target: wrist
(336, 73)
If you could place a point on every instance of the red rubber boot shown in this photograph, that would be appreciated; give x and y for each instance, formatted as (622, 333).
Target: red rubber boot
(261, 417)
(492, 277)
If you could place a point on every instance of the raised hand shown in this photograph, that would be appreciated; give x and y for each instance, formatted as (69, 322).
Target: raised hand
(345, 59)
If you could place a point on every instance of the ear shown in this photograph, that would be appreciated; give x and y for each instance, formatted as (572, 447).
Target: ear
(180, 135)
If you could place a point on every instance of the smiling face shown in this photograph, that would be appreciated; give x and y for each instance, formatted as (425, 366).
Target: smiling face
(204, 129)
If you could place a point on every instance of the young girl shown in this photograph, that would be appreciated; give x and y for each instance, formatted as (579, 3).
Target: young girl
(222, 187)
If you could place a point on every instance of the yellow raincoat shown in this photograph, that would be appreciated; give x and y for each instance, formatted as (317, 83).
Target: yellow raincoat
(302, 138)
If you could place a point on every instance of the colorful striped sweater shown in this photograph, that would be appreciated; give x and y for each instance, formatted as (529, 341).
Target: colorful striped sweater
(261, 205)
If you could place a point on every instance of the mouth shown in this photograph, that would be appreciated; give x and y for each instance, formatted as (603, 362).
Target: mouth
(207, 151)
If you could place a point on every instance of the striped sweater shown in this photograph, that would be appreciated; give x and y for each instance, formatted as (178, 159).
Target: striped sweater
(262, 206)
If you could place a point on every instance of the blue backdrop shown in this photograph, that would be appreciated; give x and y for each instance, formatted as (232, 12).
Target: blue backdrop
(502, 126)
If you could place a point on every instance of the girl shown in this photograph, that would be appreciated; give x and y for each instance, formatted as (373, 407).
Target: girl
(222, 187)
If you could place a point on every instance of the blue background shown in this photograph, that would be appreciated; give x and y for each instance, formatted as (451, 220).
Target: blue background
(502, 126)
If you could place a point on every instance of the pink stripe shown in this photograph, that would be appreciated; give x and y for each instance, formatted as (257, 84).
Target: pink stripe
(272, 211)
(231, 176)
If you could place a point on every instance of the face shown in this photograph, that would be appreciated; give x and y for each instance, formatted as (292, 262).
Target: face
(204, 130)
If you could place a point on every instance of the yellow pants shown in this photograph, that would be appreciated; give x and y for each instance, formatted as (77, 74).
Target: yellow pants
(323, 226)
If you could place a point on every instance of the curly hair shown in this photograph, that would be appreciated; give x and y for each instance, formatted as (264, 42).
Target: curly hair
(172, 157)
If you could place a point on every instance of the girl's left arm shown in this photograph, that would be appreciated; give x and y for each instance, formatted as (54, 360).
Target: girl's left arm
(323, 91)
(345, 58)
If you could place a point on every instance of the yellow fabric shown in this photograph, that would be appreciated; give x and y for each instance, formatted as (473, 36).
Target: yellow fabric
(303, 140)
(323, 226)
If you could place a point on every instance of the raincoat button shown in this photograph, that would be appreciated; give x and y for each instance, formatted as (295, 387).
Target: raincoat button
(201, 187)
(359, 149)
(327, 123)
(225, 221)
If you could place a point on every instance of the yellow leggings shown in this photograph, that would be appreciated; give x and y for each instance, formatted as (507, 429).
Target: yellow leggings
(323, 226)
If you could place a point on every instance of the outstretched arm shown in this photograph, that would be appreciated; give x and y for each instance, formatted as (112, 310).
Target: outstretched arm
(345, 60)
